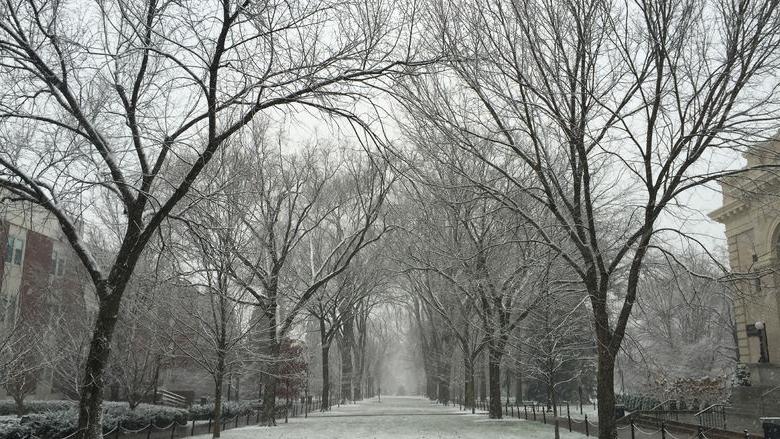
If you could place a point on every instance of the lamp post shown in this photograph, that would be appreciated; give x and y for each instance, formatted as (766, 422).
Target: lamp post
(760, 329)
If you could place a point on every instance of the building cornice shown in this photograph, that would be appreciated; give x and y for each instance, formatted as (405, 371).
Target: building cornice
(730, 210)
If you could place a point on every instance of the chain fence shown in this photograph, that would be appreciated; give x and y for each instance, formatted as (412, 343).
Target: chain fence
(195, 426)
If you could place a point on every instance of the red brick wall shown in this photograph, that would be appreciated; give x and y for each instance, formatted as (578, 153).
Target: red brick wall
(3, 246)
(70, 285)
(35, 276)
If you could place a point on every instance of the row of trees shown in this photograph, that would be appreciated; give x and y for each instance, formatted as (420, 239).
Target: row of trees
(544, 142)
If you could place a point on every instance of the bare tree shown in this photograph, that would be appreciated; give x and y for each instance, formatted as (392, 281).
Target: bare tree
(467, 237)
(140, 349)
(556, 338)
(211, 316)
(106, 99)
(605, 114)
(287, 198)
(341, 300)
(22, 362)
(685, 304)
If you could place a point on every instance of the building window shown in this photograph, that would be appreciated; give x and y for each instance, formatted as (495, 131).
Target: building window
(57, 264)
(14, 250)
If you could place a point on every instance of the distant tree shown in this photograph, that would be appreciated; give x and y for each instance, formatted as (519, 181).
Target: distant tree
(286, 200)
(140, 349)
(604, 115)
(21, 362)
(683, 328)
(293, 369)
(120, 105)
(556, 341)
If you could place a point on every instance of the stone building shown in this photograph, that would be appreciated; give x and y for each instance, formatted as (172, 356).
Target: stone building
(751, 215)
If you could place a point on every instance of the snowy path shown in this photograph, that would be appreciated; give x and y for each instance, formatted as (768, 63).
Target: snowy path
(397, 417)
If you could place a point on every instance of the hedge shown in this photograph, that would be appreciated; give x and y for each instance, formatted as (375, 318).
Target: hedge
(229, 409)
(59, 418)
(7, 406)
(56, 424)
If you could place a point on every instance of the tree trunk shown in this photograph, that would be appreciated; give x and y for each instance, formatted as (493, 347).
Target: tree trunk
(508, 383)
(269, 378)
(519, 386)
(494, 377)
(90, 425)
(269, 396)
(346, 371)
(482, 384)
(346, 347)
(19, 403)
(325, 378)
(358, 381)
(554, 399)
(443, 375)
(468, 380)
(605, 391)
(219, 378)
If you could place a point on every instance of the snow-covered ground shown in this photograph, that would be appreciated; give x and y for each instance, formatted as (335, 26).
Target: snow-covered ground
(588, 409)
(397, 417)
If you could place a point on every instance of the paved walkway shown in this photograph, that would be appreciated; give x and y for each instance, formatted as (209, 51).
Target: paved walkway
(399, 417)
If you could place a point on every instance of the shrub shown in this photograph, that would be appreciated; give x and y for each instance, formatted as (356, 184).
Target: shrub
(143, 415)
(7, 407)
(13, 430)
(229, 409)
(52, 425)
(56, 424)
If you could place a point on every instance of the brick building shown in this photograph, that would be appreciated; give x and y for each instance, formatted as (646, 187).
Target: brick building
(39, 279)
(44, 288)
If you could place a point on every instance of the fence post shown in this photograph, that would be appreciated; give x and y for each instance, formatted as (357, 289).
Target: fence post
(569, 418)
(209, 429)
(544, 415)
(148, 431)
(587, 427)
(699, 432)
(533, 409)
(632, 428)
(173, 430)
(663, 430)
(118, 427)
(258, 416)
(513, 410)
(525, 410)
(192, 430)
(567, 408)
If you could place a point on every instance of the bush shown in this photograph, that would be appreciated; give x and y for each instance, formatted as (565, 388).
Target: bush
(143, 415)
(229, 409)
(52, 425)
(7, 407)
(13, 430)
(56, 424)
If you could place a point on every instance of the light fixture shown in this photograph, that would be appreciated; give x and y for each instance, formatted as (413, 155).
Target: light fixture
(759, 325)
